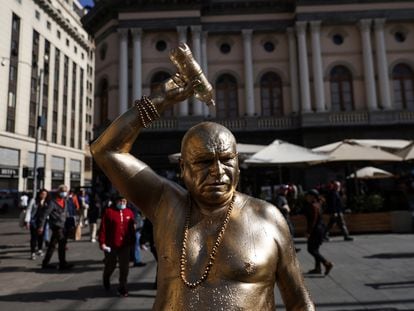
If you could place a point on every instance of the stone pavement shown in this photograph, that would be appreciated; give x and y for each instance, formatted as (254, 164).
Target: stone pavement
(374, 272)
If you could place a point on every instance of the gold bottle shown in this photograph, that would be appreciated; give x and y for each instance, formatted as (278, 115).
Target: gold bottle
(187, 66)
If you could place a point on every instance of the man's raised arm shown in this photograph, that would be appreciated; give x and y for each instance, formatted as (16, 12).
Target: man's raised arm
(130, 176)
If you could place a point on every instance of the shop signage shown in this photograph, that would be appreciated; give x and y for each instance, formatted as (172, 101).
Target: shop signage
(59, 175)
(9, 172)
(75, 176)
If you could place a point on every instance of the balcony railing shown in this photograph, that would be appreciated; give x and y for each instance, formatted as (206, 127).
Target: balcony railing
(308, 120)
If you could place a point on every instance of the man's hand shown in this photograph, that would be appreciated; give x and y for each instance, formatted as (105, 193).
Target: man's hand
(40, 231)
(27, 225)
(171, 92)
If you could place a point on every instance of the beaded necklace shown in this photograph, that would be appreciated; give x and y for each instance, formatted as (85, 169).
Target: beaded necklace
(212, 256)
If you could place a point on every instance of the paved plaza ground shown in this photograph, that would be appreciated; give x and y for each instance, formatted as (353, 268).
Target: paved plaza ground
(374, 272)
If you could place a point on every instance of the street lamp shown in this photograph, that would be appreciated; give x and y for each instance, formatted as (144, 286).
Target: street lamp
(38, 128)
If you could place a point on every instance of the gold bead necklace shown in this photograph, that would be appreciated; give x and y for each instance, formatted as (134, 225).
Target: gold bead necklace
(212, 256)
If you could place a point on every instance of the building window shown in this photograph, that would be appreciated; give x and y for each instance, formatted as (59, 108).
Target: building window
(400, 36)
(102, 51)
(269, 46)
(271, 95)
(103, 98)
(48, 25)
(58, 34)
(161, 45)
(37, 15)
(34, 80)
(67, 42)
(337, 39)
(226, 97)
(342, 98)
(403, 81)
(225, 48)
(156, 80)
(13, 72)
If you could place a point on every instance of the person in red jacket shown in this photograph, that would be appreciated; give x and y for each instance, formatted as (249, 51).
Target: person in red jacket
(116, 237)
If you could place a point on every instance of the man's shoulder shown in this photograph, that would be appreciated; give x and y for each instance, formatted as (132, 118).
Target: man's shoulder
(257, 206)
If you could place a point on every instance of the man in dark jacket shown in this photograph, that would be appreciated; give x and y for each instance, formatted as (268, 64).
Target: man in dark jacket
(116, 238)
(336, 210)
(57, 212)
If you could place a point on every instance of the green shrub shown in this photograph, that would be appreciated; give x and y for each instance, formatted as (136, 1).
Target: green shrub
(366, 203)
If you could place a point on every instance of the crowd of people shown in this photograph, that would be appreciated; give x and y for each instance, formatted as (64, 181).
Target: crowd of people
(314, 203)
(53, 218)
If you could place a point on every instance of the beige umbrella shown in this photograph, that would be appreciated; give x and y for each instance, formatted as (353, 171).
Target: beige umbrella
(350, 151)
(281, 152)
(244, 150)
(407, 153)
(370, 172)
(393, 144)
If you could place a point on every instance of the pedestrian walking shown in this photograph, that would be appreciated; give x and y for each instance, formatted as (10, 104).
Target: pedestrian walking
(57, 211)
(83, 199)
(336, 210)
(315, 231)
(116, 238)
(33, 221)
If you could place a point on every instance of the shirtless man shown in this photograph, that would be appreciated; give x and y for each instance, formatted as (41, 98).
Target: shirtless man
(218, 249)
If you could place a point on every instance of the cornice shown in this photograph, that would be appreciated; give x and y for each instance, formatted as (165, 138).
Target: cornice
(57, 17)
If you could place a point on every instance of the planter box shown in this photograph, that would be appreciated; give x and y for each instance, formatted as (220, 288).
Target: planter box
(356, 223)
(402, 221)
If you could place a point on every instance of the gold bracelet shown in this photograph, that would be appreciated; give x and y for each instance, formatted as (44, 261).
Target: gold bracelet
(146, 110)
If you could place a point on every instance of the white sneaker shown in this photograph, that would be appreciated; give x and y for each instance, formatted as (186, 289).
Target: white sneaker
(93, 240)
(40, 253)
(33, 256)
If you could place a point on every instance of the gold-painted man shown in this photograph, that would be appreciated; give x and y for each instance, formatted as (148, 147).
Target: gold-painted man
(218, 249)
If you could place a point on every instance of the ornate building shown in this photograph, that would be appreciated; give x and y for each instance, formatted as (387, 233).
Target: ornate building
(306, 71)
(47, 74)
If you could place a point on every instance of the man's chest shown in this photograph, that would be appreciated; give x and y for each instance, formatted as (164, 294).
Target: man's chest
(244, 254)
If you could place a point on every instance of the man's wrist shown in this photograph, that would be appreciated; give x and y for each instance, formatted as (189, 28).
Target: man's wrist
(147, 111)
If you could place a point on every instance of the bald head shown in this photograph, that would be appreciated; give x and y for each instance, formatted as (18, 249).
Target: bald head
(207, 135)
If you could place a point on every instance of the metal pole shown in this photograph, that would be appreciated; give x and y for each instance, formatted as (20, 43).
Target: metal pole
(38, 130)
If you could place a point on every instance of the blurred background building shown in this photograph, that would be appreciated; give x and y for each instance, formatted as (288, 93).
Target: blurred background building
(47, 59)
(306, 71)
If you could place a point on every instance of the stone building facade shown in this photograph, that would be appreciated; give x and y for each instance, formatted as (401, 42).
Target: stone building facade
(47, 69)
(306, 71)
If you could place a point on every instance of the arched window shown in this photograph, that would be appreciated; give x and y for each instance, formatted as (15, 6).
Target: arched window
(342, 97)
(271, 95)
(403, 80)
(103, 99)
(226, 97)
(158, 78)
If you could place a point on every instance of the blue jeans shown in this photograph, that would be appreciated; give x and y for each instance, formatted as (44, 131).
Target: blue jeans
(137, 251)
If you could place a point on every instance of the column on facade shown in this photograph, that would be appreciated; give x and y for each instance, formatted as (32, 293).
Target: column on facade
(317, 65)
(182, 37)
(123, 70)
(365, 27)
(204, 66)
(303, 67)
(248, 72)
(196, 36)
(382, 63)
(293, 70)
(137, 63)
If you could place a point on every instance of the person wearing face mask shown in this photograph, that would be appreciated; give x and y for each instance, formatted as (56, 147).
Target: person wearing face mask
(116, 238)
(57, 211)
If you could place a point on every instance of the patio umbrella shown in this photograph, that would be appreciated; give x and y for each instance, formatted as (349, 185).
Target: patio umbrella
(351, 151)
(407, 153)
(393, 144)
(370, 172)
(244, 150)
(280, 152)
